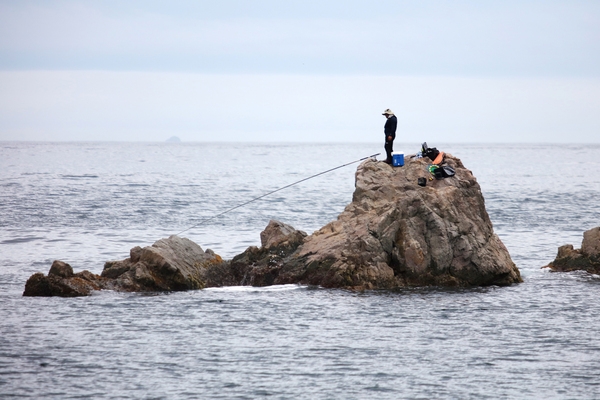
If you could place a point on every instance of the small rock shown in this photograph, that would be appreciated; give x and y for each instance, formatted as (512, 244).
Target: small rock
(135, 254)
(279, 234)
(37, 285)
(586, 259)
(261, 266)
(61, 281)
(61, 269)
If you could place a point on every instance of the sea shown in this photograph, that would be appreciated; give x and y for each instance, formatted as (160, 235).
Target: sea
(90, 202)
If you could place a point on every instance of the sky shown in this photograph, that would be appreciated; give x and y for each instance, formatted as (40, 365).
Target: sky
(300, 71)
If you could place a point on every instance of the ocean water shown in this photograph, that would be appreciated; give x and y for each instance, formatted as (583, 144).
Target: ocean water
(86, 203)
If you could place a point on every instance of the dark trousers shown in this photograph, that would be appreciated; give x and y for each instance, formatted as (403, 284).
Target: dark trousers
(389, 147)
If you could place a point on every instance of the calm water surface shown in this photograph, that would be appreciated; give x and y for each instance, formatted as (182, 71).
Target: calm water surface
(86, 203)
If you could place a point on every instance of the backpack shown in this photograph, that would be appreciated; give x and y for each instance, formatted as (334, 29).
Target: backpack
(430, 152)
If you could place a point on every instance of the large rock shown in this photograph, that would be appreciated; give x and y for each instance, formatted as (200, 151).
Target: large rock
(587, 258)
(396, 233)
(168, 265)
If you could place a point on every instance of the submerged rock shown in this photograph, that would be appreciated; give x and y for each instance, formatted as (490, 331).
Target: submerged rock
(587, 258)
(394, 233)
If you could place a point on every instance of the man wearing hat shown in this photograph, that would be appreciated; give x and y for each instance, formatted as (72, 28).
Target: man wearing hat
(390, 133)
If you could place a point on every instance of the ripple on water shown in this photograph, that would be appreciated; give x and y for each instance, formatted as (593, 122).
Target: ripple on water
(533, 340)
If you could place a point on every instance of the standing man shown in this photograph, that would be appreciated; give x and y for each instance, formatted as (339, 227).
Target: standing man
(390, 133)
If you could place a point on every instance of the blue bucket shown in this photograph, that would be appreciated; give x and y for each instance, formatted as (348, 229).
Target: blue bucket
(397, 159)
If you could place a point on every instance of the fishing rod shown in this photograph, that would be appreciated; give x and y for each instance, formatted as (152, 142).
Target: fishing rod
(274, 191)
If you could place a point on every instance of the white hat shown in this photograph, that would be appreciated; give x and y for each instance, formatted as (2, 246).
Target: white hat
(388, 112)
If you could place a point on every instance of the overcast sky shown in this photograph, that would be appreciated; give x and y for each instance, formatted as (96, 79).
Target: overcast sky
(453, 71)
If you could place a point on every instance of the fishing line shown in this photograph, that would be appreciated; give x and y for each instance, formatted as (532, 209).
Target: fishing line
(274, 191)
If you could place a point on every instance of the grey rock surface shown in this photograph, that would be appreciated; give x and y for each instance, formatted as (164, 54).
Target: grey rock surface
(169, 264)
(591, 242)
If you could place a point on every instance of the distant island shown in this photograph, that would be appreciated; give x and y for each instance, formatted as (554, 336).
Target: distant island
(173, 139)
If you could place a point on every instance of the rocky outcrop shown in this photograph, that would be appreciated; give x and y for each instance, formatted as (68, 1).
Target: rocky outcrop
(61, 281)
(262, 266)
(394, 233)
(587, 258)
(168, 265)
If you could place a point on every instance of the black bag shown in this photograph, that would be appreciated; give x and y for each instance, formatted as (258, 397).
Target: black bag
(447, 171)
(438, 173)
(430, 152)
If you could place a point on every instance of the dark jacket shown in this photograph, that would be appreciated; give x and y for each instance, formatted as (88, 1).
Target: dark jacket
(390, 127)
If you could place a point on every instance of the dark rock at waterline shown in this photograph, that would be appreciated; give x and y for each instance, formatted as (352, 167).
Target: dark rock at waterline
(261, 266)
(394, 233)
(587, 258)
(61, 281)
